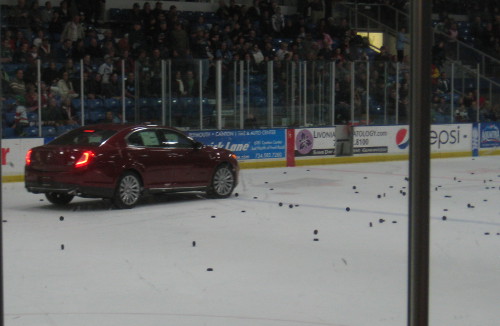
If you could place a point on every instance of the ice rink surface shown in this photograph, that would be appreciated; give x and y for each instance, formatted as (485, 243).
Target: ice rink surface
(318, 245)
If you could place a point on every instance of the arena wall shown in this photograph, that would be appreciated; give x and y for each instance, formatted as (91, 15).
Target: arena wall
(259, 148)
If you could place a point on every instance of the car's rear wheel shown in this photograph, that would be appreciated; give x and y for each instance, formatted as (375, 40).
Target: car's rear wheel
(223, 182)
(58, 198)
(128, 191)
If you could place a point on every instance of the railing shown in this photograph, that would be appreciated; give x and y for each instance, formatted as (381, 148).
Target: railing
(231, 95)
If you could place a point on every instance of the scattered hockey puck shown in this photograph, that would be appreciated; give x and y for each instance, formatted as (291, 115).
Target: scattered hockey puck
(284, 172)
(447, 196)
(356, 192)
(61, 218)
(4, 221)
(281, 204)
(316, 239)
(315, 231)
(243, 211)
(236, 194)
(486, 233)
(353, 187)
(381, 220)
(41, 199)
(404, 193)
(255, 197)
(210, 269)
(213, 216)
(194, 243)
(445, 210)
(365, 177)
(348, 209)
(444, 218)
(371, 224)
(379, 196)
(290, 206)
(62, 247)
(394, 222)
(296, 205)
(271, 189)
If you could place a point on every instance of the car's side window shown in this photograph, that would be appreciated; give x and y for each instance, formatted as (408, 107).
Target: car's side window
(147, 138)
(173, 139)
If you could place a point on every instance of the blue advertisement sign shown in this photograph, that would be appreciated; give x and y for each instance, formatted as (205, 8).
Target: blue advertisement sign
(247, 144)
(490, 134)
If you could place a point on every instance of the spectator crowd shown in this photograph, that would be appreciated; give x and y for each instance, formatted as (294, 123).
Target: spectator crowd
(138, 39)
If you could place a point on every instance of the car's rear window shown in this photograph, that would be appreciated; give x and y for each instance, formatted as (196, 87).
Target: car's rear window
(84, 137)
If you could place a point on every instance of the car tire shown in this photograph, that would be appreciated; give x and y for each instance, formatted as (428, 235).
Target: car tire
(128, 191)
(223, 182)
(59, 199)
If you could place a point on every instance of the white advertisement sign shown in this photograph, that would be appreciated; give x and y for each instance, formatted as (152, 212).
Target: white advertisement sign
(396, 139)
(14, 152)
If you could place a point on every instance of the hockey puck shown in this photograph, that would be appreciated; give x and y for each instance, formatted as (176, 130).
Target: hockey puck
(280, 204)
(62, 247)
(210, 269)
(444, 218)
(236, 194)
(315, 231)
(316, 239)
(194, 243)
(348, 209)
(61, 218)
(290, 206)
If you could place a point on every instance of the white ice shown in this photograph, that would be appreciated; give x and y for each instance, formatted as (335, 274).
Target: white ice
(150, 265)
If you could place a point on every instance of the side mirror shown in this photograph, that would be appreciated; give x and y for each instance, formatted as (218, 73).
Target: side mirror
(197, 145)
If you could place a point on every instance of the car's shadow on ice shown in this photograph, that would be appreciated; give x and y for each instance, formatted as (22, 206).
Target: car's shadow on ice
(97, 204)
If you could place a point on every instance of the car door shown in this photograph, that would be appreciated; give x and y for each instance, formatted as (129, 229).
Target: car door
(187, 162)
(145, 150)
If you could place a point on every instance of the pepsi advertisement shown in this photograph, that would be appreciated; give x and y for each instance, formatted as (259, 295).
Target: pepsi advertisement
(489, 134)
(246, 144)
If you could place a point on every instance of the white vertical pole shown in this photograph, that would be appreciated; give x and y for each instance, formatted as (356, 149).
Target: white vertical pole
(123, 91)
(82, 95)
(218, 93)
(367, 92)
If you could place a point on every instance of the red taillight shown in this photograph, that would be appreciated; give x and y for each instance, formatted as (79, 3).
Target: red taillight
(27, 158)
(84, 159)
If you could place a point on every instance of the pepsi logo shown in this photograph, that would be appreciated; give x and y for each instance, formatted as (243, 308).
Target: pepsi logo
(403, 138)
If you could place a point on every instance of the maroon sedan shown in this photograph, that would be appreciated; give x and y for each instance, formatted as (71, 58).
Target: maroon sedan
(125, 162)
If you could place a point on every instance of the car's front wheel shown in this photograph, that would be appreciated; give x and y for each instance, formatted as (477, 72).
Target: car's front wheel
(223, 182)
(128, 191)
(58, 198)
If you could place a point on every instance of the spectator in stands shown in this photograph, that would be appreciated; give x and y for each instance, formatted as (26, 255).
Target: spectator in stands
(19, 18)
(35, 16)
(191, 84)
(110, 117)
(65, 51)
(6, 56)
(106, 68)
(179, 39)
(63, 12)
(68, 112)
(401, 41)
(50, 74)
(443, 84)
(112, 89)
(178, 88)
(17, 84)
(45, 50)
(278, 22)
(46, 14)
(172, 16)
(78, 51)
(56, 25)
(65, 87)
(94, 87)
(94, 49)
(73, 30)
(130, 85)
(22, 55)
(54, 115)
(136, 37)
(69, 67)
(21, 117)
